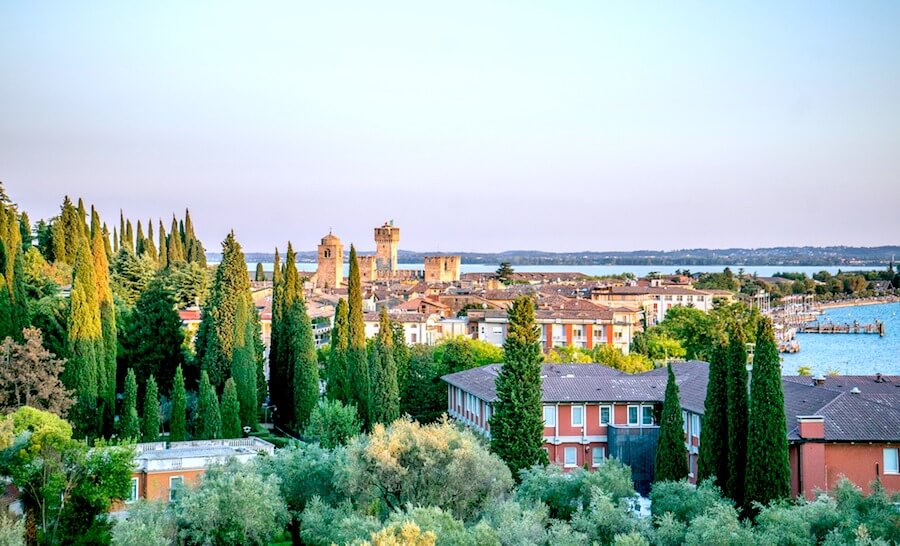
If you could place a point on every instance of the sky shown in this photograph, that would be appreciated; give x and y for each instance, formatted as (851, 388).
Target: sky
(475, 126)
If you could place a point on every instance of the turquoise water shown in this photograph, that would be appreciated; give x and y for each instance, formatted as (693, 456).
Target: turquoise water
(851, 354)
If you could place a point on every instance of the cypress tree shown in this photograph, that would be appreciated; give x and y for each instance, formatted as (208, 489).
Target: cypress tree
(768, 476)
(105, 232)
(163, 249)
(244, 359)
(85, 336)
(129, 236)
(385, 392)
(72, 231)
(129, 423)
(25, 231)
(153, 337)
(151, 422)
(738, 407)
(357, 359)
(260, 272)
(108, 346)
(231, 419)
(208, 424)
(82, 218)
(121, 230)
(149, 245)
(671, 454)
(713, 458)
(305, 374)
(178, 421)
(175, 248)
(275, 337)
(337, 387)
(139, 240)
(401, 356)
(283, 342)
(115, 241)
(58, 240)
(517, 424)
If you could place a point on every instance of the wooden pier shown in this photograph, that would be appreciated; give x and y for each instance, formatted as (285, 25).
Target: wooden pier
(854, 327)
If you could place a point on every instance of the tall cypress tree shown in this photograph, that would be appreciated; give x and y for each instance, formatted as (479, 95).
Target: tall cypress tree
(149, 245)
(671, 453)
(129, 422)
(129, 237)
(260, 273)
(337, 387)
(85, 336)
(163, 248)
(285, 281)
(231, 419)
(104, 231)
(108, 346)
(175, 248)
(401, 355)
(244, 358)
(713, 458)
(768, 475)
(178, 421)
(738, 407)
(153, 337)
(517, 424)
(275, 367)
(72, 232)
(139, 240)
(385, 392)
(305, 361)
(25, 231)
(151, 422)
(208, 423)
(357, 358)
(115, 247)
(121, 230)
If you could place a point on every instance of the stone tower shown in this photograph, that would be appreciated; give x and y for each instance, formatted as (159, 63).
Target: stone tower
(442, 269)
(387, 240)
(330, 270)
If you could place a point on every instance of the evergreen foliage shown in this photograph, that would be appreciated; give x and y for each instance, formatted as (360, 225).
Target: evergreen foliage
(385, 406)
(178, 420)
(357, 358)
(84, 343)
(163, 248)
(768, 476)
(285, 286)
(139, 240)
(305, 374)
(150, 424)
(153, 337)
(738, 407)
(401, 356)
(260, 272)
(129, 423)
(129, 237)
(231, 417)
(517, 424)
(713, 460)
(174, 245)
(208, 423)
(108, 347)
(671, 455)
(337, 386)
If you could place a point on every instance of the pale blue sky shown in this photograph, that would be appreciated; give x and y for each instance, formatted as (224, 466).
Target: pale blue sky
(474, 125)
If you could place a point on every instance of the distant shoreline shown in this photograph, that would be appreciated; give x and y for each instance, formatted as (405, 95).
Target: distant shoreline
(859, 302)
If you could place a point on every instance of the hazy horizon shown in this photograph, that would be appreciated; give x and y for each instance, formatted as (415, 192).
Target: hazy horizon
(476, 128)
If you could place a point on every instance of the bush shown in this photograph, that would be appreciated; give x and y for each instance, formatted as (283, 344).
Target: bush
(719, 526)
(324, 525)
(565, 493)
(604, 519)
(333, 424)
(148, 524)
(683, 500)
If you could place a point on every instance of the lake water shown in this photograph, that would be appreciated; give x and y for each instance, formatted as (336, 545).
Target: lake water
(851, 354)
(600, 270)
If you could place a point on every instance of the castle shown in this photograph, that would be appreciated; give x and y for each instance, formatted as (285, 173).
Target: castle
(384, 265)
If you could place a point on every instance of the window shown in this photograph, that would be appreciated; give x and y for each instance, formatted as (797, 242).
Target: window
(175, 485)
(577, 416)
(632, 415)
(413, 338)
(692, 465)
(549, 416)
(495, 329)
(597, 456)
(458, 398)
(684, 420)
(695, 425)
(646, 415)
(605, 414)
(891, 461)
(571, 457)
(133, 495)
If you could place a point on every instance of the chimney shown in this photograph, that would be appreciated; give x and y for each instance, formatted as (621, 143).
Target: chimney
(879, 378)
(818, 380)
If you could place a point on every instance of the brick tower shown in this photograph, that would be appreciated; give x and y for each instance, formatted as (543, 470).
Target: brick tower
(330, 269)
(387, 240)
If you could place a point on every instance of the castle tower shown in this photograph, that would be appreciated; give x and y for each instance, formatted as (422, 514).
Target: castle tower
(442, 269)
(330, 269)
(387, 240)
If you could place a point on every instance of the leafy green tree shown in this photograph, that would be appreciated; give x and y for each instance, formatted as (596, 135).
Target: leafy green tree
(337, 385)
(566, 492)
(260, 273)
(333, 424)
(671, 455)
(154, 335)
(424, 465)
(178, 420)
(694, 329)
(151, 418)
(129, 422)
(385, 392)
(425, 396)
(233, 504)
(208, 423)
(148, 523)
(85, 341)
(231, 418)
(768, 474)
(357, 357)
(517, 424)
(713, 459)
(738, 407)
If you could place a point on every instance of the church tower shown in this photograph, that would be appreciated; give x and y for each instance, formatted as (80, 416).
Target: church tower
(387, 240)
(330, 269)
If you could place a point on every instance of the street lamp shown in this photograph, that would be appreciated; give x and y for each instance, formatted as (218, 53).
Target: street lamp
(266, 412)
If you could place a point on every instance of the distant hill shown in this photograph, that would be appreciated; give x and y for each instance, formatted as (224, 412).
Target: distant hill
(800, 256)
